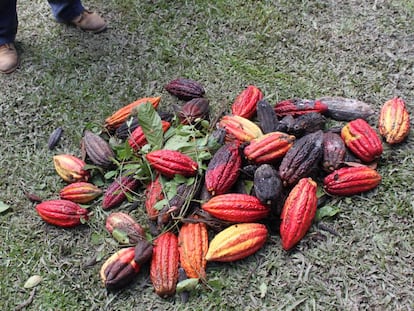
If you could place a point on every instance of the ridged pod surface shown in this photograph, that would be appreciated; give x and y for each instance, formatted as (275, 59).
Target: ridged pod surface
(153, 194)
(98, 149)
(334, 151)
(125, 223)
(351, 180)
(239, 128)
(302, 158)
(362, 140)
(394, 121)
(196, 108)
(117, 191)
(266, 115)
(269, 147)
(80, 192)
(236, 207)
(193, 247)
(346, 109)
(137, 139)
(245, 103)
(119, 269)
(120, 116)
(223, 169)
(297, 106)
(164, 264)
(185, 89)
(298, 212)
(237, 242)
(172, 162)
(70, 168)
(62, 213)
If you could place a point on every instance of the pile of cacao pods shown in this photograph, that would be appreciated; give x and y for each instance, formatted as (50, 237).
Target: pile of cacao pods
(214, 187)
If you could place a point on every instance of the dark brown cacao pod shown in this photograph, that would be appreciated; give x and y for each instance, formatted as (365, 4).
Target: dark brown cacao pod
(196, 108)
(185, 89)
(267, 117)
(267, 184)
(334, 151)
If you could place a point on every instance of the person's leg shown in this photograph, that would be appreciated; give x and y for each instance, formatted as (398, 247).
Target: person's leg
(8, 29)
(73, 12)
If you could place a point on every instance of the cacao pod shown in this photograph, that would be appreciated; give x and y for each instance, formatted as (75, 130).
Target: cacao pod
(302, 158)
(237, 242)
(172, 162)
(62, 213)
(352, 180)
(362, 140)
(223, 169)
(120, 221)
(97, 149)
(137, 139)
(236, 207)
(297, 106)
(153, 194)
(54, 138)
(394, 121)
(143, 251)
(193, 247)
(70, 168)
(126, 128)
(117, 191)
(119, 269)
(164, 264)
(267, 117)
(195, 109)
(334, 151)
(239, 128)
(122, 114)
(298, 212)
(185, 89)
(245, 103)
(269, 147)
(80, 192)
(306, 124)
(267, 184)
(346, 109)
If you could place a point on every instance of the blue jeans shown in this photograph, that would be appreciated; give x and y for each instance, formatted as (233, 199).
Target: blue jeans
(63, 11)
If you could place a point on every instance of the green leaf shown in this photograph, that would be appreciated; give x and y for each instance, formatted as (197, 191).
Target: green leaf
(3, 207)
(120, 236)
(326, 211)
(150, 121)
(187, 285)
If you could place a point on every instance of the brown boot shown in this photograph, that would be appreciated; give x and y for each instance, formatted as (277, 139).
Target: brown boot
(90, 22)
(8, 58)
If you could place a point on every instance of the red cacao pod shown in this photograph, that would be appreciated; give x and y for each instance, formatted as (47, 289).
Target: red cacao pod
(245, 103)
(362, 140)
(62, 213)
(164, 264)
(298, 212)
(171, 162)
(297, 106)
(117, 191)
(80, 192)
(351, 180)
(153, 194)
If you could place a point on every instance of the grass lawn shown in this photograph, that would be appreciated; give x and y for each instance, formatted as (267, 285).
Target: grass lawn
(305, 49)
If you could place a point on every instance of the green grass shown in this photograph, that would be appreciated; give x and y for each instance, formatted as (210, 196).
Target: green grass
(289, 49)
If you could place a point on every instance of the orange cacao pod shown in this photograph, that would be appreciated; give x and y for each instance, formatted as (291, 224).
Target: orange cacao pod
(172, 162)
(237, 242)
(185, 89)
(298, 212)
(137, 139)
(164, 264)
(70, 168)
(394, 121)
(119, 269)
(297, 106)
(223, 169)
(153, 194)
(269, 147)
(98, 149)
(117, 191)
(362, 140)
(80, 192)
(197, 108)
(239, 128)
(62, 213)
(245, 103)
(193, 247)
(119, 116)
(236, 207)
(125, 223)
(351, 180)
